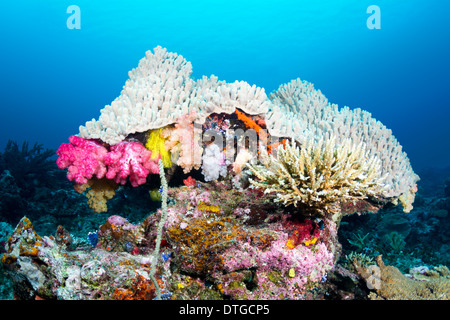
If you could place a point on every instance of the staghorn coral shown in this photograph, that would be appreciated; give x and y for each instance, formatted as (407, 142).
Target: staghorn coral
(361, 259)
(319, 174)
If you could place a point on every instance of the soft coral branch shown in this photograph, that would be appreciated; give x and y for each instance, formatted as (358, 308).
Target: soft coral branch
(130, 159)
(83, 158)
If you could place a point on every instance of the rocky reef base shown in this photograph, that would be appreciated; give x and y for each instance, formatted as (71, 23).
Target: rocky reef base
(217, 243)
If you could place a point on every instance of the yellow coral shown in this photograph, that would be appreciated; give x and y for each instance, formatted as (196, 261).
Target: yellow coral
(407, 199)
(290, 244)
(204, 207)
(156, 144)
(310, 242)
(155, 195)
(291, 273)
(99, 193)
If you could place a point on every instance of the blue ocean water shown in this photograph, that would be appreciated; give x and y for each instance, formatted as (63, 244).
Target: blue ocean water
(54, 79)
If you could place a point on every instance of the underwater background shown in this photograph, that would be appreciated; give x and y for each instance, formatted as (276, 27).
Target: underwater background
(54, 79)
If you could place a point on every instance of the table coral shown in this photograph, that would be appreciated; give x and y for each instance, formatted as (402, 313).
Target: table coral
(171, 101)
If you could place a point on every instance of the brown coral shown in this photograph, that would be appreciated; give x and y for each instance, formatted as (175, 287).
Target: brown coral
(388, 283)
(29, 248)
(203, 239)
(140, 289)
(118, 235)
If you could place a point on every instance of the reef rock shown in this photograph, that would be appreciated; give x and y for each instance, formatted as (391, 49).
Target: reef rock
(388, 283)
(217, 243)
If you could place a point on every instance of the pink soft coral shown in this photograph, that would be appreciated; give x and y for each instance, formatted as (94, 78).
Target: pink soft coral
(184, 141)
(83, 158)
(130, 159)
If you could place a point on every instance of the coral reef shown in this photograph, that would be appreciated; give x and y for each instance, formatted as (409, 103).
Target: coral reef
(43, 269)
(213, 230)
(31, 168)
(31, 184)
(203, 235)
(180, 115)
